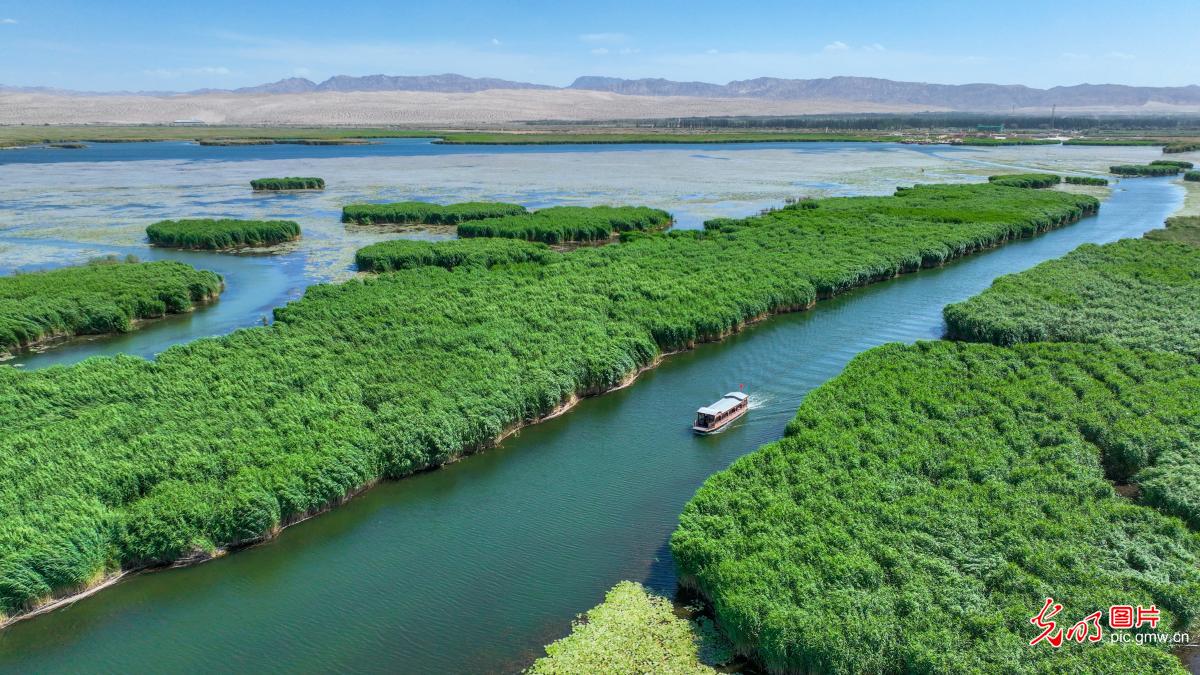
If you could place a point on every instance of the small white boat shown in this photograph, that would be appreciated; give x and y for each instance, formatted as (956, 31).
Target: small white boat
(713, 418)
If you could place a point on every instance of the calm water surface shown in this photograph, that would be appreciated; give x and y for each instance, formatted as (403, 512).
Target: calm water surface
(474, 567)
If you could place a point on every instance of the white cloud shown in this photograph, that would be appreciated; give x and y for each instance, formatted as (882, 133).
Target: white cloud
(711, 51)
(837, 46)
(625, 51)
(495, 42)
(8, 21)
(874, 47)
(1120, 56)
(604, 38)
(600, 51)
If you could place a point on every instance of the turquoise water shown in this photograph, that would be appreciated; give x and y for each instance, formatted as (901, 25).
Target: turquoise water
(474, 567)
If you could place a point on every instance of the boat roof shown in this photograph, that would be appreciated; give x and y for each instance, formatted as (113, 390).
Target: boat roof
(727, 402)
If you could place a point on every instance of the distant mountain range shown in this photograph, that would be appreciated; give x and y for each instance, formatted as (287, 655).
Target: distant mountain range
(967, 97)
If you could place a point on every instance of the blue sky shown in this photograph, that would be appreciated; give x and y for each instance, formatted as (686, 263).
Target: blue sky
(168, 45)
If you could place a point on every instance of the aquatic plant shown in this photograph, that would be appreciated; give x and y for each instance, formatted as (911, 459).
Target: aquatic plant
(1172, 162)
(633, 631)
(1182, 229)
(1027, 180)
(1134, 293)
(424, 213)
(1143, 170)
(222, 440)
(936, 494)
(400, 254)
(1193, 176)
(561, 224)
(104, 297)
(1183, 146)
(226, 233)
(288, 183)
(1085, 180)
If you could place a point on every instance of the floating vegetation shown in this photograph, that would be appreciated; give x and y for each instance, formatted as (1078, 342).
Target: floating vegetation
(1144, 170)
(1085, 180)
(210, 234)
(221, 441)
(289, 183)
(561, 224)
(1188, 146)
(400, 254)
(1027, 180)
(424, 213)
(104, 296)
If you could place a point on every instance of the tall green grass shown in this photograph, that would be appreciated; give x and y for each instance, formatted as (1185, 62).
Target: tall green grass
(1085, 180)
(424, 213)
(1181, 229)
(1144, 170)
(222, 440)
(561, 224)
(96, 298)
(1027, 180)
(207, 233)
(288, 183)
(400, 254)
(1193, 176)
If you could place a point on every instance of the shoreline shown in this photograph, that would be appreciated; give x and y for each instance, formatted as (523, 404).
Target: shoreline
(55, 601)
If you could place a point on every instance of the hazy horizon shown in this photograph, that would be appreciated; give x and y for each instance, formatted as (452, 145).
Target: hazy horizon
(127, 46)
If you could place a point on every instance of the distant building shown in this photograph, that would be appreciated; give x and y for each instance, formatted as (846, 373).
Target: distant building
(188, 123)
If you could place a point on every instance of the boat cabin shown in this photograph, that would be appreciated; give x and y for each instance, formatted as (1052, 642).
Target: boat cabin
(714, 417)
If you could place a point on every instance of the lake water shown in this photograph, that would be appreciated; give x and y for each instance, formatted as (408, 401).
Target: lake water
(473, 567)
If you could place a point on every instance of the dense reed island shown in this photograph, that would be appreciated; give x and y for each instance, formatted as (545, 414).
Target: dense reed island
(1182, 229)
(1193, 176)
(561, 224)
(1027, 180)
(226, 233)
(401, 254)
(584, 138)
(222, 441)
(1186, 146)
(283, 141)
(1133, 293)
(1172, 162)
(288, 183)
(1144, 170)
(633, 631)
(103, 297)
(923, 505)
(424, 213)
(1085, 180)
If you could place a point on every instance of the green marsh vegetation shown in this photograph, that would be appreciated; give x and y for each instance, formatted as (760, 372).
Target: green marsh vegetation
(105, 296)
(923, 505)
(562, 224)
(221, 441)
(401, 254)
(1172, 162)
(425, 213)
(1027, 180)
(220, 234)
(1144, 170)
(633, 631)
(1085, 180)
(1185, 146)
(288, 183)
(1133, 293)
(1182, 229)
(1193, 176)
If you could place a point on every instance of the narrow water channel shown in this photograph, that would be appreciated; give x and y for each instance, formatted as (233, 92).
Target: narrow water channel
(474, 567)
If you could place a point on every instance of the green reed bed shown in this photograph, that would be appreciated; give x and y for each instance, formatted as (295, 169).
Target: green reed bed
(226, 233)
(1085, 180)
(1172, 162)
(1188, 146)
(288, 183)
(220, 441)
(1181, 229)
(923, 505)
(424, 213)
(96, 298)
(400, 254)
(561, 224)
(1027, 180)
(1133, 293)
(1144, 170)
(1193, 176)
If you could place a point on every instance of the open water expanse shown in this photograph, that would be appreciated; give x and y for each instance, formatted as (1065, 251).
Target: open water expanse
(474, 567)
